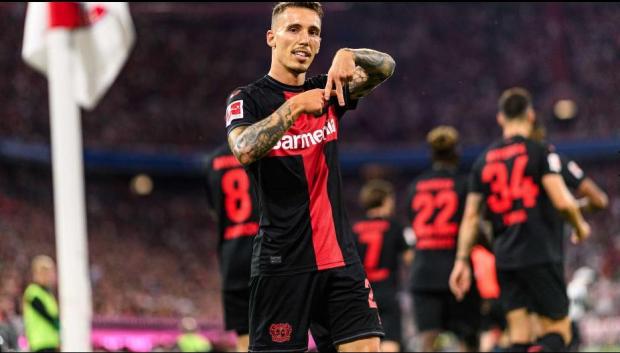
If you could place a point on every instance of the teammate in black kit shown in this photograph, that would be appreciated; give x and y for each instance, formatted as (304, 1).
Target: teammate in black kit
(232, 201)
(437, 200)
(521, 184)
(591, 196)
(284, 129)
(382, 244)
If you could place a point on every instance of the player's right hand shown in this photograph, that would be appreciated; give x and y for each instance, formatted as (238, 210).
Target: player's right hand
(312, 101)
(582, 232)
(460, 279)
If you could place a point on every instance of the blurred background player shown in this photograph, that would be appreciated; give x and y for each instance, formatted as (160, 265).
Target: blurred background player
(493, 319)
(435, 210)
(284, 129)
(382, 245)
(580, 302)
(191, 340)
(591, 196)
(8, 330)
(233, 204)
(520, 182)
(41, 316)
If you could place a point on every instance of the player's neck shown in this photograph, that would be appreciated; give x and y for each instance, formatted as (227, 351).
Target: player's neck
(445, 165)
(378, 212)
(517, 128)
(283, 75)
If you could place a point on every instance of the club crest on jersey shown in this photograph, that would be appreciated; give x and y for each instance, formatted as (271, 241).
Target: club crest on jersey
(280, 333)
(234, 111)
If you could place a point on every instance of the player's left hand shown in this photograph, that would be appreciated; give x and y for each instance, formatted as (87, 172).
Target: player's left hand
(339, 74)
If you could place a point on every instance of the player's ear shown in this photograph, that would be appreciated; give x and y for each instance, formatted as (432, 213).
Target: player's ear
(531, 115)
(271, 38)
(500, 119)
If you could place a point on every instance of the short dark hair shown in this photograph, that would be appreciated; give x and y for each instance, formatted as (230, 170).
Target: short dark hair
(514, 102)
(442, 141)
(281, 6)
(374, 193)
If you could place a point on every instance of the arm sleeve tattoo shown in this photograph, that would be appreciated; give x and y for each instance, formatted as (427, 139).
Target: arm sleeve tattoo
(254, 141)
(373, 67)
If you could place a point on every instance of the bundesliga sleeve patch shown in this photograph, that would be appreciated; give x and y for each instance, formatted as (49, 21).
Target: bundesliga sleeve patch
(575, 170)
(555, 164)
(234, 111)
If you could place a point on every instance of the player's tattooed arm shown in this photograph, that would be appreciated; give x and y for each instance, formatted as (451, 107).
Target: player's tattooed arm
(250, 143)
(372, 68)
(361, 69)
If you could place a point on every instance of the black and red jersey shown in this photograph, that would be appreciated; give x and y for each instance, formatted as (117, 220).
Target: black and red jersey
(436, 205)
(231, 196)
(528, 229)
(380, 243)
(303, 224)
(571, 172)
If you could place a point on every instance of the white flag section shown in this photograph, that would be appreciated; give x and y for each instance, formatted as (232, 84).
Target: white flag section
(100, 46)
(80, 47)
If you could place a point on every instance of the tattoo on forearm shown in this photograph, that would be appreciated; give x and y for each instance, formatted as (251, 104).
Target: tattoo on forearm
(373, 68)
(256, 140)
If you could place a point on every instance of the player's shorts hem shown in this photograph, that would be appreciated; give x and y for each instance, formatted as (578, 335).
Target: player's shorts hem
(242, 332)
(353, 337)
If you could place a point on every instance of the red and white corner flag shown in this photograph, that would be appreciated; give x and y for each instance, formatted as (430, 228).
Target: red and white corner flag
(102, 37)
(80, 47)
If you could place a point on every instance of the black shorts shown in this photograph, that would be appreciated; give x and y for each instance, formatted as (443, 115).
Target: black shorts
(390, 313)
(440, 311)
(283, 308)
(493, 315)
(236, 310)
(540, 289)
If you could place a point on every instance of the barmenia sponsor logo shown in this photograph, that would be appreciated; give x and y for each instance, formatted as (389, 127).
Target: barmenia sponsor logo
(309, 139)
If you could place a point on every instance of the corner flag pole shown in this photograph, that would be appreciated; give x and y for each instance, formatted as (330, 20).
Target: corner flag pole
(69, 201)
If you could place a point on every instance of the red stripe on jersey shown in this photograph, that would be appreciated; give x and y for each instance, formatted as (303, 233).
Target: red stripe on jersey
(307, 138)
(486, 274)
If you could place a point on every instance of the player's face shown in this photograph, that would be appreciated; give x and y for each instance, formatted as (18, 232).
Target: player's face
(295, 38)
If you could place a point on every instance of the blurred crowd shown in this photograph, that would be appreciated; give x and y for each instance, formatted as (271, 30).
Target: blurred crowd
(452, 63)
(149, 257)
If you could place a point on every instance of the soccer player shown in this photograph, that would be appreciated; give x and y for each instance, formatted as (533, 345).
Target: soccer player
(233, 204)
(592, 197)
(284, 129)
(437, 200)
(520, 182)
(382, 244)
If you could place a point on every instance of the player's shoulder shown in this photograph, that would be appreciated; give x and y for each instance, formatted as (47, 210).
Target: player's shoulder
(249, 90)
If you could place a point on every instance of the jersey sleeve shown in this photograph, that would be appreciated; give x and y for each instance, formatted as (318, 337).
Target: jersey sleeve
(241, 110)
(475, 176)
(572, 174)
(550, 161)
(401, 241)
(350, 104)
